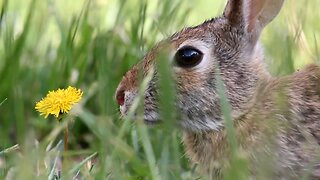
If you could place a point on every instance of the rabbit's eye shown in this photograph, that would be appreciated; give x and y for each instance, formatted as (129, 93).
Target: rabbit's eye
(188, 57)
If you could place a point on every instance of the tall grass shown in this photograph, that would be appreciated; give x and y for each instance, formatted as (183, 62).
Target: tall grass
(45, 45)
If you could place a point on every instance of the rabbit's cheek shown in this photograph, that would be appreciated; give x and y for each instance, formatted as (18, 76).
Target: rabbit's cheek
(151, 114)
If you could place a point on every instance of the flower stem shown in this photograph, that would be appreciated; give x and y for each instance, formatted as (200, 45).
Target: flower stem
(65, 163)
(65, 138)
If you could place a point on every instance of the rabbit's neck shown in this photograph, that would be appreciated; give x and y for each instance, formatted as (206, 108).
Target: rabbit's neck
(211, 149)
(242, 92)
(281, 105)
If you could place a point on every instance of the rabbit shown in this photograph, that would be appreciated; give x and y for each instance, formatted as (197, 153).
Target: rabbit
(275, 118)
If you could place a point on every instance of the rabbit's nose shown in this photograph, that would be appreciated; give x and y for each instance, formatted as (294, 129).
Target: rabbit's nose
(120, 95)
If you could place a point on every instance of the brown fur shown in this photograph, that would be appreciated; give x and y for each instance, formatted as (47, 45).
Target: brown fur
(275, 119)
(293, 119)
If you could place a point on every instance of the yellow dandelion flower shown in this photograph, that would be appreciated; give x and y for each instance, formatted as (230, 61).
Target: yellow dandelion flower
(59, 101)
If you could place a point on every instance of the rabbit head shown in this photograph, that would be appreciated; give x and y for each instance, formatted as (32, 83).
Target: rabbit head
(229, 42)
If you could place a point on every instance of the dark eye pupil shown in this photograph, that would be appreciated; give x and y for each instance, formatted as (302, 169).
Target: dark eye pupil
(188, 57)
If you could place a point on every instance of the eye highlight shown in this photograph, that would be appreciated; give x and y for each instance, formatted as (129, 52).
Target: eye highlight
(188, 57)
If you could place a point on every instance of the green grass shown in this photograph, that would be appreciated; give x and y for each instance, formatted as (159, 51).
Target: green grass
(46, 45)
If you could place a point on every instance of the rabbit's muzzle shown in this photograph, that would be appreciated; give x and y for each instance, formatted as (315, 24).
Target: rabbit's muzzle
(126, 94)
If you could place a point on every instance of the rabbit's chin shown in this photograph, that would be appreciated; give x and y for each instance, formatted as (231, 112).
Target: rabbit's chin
(151, 117)
(203, 124)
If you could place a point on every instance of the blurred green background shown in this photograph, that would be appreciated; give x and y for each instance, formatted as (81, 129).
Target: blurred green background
(51, 44)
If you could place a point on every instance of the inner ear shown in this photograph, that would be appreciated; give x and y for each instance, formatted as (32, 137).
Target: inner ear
(253, 12)
(244, 13)
(252, 15)
(234, 12)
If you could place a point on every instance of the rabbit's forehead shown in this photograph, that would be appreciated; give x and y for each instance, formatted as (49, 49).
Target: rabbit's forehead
(201, 42)
(205, 32)
(203, 37)
(188, 37)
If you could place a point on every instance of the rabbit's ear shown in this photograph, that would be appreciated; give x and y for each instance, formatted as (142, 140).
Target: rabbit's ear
(252, 15)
